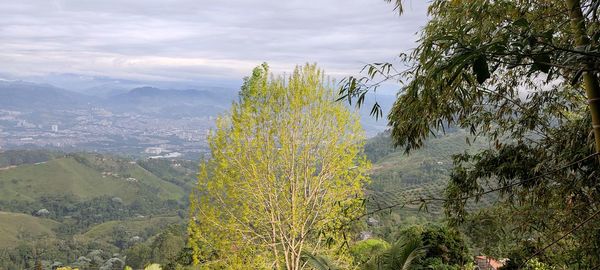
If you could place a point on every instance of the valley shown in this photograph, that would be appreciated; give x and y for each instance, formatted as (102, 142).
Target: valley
(111, 203)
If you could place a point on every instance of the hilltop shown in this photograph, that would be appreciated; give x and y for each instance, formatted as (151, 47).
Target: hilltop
(83, 176)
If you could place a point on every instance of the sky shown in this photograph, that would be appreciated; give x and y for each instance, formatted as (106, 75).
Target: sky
(195, 40)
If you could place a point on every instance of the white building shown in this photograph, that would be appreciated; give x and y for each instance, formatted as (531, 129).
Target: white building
(54, 128)
(154, 150)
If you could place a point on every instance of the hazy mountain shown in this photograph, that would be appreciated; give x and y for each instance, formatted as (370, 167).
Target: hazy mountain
(27, 96)
(171, 102)
(104, 86)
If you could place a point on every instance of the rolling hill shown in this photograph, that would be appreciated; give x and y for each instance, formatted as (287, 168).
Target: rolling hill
(142, 226)
(397, 177)
(84, 177)
(83, 203)
(16, 228)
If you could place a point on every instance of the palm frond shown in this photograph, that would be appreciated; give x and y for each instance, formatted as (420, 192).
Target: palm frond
(318, 262)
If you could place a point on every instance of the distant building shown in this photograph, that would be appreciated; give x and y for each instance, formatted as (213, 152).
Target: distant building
(364, 235)
(154, 150)
(487, 263)
(54, 128)
(172, 155)
(42, 212)
(372, 222)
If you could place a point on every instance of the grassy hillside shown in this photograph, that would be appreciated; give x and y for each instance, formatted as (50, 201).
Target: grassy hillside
(84, 177)
(142, 227)
(16, 228)
(398, 177)
(88, 201)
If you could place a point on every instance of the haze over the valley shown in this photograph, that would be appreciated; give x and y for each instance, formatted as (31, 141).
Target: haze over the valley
(101, 75)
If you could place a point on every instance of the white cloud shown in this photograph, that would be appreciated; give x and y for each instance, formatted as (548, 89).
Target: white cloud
(191, 39)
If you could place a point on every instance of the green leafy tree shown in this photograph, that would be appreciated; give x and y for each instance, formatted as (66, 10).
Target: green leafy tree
(285, 174)
(524, 75)
(474, 57)
(166, 246)
(138, 256)
(120, 236)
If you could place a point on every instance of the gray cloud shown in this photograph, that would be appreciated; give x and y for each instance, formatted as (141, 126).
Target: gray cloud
(192, 39)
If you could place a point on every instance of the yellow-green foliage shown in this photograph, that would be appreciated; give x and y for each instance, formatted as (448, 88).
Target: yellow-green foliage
(285, 172)
(364, 250)
(153, 266)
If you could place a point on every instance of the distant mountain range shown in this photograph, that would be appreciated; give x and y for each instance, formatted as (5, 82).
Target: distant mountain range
(157, 102)
(27, 97)
(170, 102)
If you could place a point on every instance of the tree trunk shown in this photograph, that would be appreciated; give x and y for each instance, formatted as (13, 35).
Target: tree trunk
(590, 79)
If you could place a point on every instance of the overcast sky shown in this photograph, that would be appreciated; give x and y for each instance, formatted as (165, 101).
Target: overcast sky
(179, 40)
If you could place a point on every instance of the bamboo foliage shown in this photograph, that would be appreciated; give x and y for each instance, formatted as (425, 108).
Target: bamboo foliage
(286, 169)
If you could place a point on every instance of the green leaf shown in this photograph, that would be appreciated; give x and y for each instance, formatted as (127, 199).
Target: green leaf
(376, 111)
(576, 78)
(541, 62)
(481, 69)
(521, 22)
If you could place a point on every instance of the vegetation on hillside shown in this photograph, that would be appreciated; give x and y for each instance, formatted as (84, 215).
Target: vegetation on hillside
(69, 205)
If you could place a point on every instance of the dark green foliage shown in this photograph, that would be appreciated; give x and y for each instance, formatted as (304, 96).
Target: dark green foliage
(138, 256)
(168, 244)
(445, 243)
(19, 157)
(550, 186)
(442, 244)
(397, 177)
(403, 255)
(489, 232)
(481, 70)
(167, 249)
(119, 237)
(77, 216)
(524, 93)
(431, 246)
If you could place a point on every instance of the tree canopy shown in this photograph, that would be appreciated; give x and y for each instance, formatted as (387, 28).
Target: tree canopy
(524, 75)
(286, 171)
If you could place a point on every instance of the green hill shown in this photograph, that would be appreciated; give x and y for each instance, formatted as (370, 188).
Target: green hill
(84, 176)
(89, 202)
(143, 227)
(16, 228)
(397, 177)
